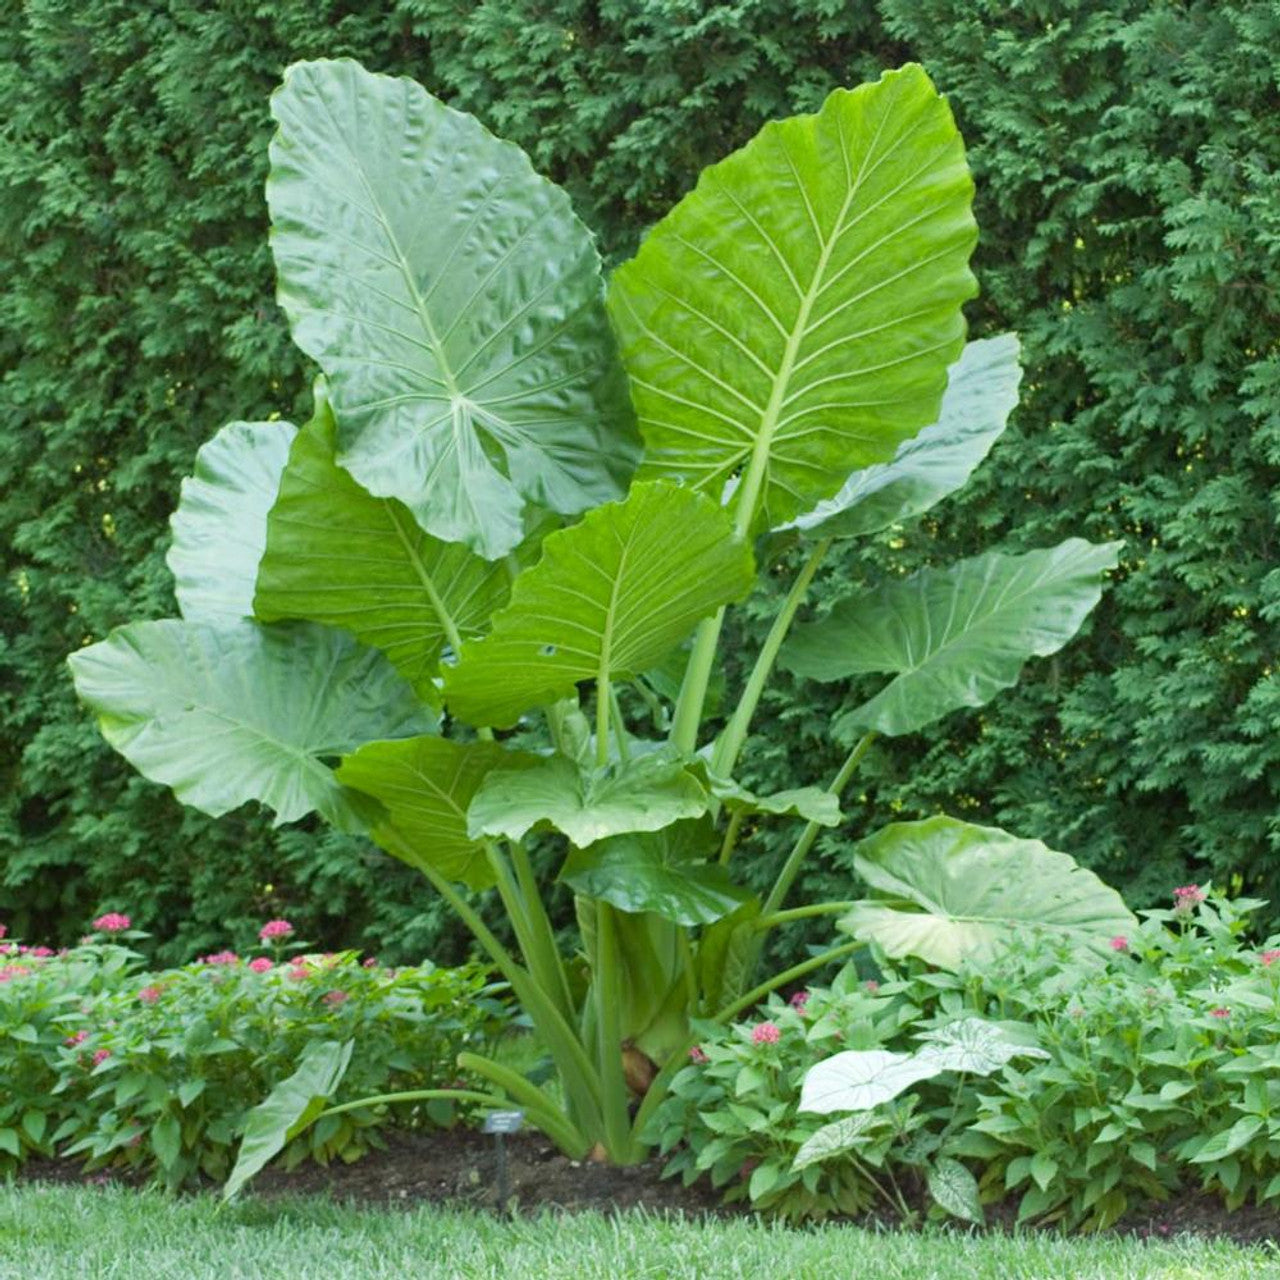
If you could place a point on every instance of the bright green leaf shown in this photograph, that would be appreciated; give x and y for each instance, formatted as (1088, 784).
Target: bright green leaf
(956, 636)
(982, 390)
(454, 302)
(666, 872)
(166, 1140)
(951, 891)
(587, 805)
(338, 555)
(813, 804)
(1229, 1141)
(220, 526)
(239, 712)
(426, 785)
(611, 596)
(793, 317)
(9, 1142)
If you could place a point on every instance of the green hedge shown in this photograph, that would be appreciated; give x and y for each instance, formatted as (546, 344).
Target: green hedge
(1126, 158)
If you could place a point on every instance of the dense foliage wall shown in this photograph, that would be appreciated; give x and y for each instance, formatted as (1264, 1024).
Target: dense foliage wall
(1126, 156)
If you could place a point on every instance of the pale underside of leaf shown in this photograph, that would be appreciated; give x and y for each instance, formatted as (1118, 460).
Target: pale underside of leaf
(794, 316)
(220, 526)
(454, 302)
(860, 1079)
(238, 712)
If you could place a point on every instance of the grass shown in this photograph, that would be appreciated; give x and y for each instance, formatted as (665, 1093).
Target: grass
(74, 1233)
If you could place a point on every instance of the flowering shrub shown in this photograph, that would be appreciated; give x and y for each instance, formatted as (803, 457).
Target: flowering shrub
(1160, 1074)
(157, 1071)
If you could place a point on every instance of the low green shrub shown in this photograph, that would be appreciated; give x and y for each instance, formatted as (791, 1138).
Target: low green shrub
(1098, 1083)
(157, 1071)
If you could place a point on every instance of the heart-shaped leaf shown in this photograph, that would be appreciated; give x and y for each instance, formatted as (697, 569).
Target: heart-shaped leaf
(665, 872)
(955, 1189)
(238, 712)
(454, 302)
(859, 1079)
(950, 891)
(426, 785)
(982, 390)
(610, 597)
(587, 805)
(954, 637)
(836, 1139)
(338, 555)
(973, 1046)
(793, 317)
(220, 526)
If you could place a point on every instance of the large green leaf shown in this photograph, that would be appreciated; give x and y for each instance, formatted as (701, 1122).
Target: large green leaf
(425, 785)
(610, 597)
(454, 302)
(665, 872)
(956, 636)
(813, 804)
(239, 712)
(982, 390)
(949, 891)
(338, 555)
(587, 805)
(794, 316)
(289, 1108)
(220, 526)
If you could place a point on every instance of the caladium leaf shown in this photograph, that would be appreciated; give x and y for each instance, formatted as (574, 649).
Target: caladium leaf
(609, 598)
(454, 302)
(238, 712)
(793, 317)
(955, 1189)
(836, 1139)
(956, 636)
(665, 872)
(426, 785)
(587, 805)
(860, 1079)
(982, 390)
(220, 526)
(949, 891)
(338, 555)
(974, 1046)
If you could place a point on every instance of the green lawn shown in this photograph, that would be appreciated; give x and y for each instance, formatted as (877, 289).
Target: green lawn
(57, 1233)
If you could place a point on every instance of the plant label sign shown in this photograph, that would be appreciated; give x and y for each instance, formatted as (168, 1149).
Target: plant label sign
(503, 1122)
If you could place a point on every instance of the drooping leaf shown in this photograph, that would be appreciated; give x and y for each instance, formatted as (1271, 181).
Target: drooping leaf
(289, 1108)
(813, 804)
(610, 596)
(974, 1046)
(950, 891)
(239, 712)
(587, 805)
(727, 954)
(794, 316)
(454, 302)
(859, 1079)
(425, 786)
(666, 872)
(220, 526)
(982, 390)
(836, 1139)
(338, 555)
(1227, 1142)
(954, 637)
(955, 1189)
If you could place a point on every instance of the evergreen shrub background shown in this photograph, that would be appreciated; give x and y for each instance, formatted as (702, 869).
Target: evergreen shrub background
(1127, 158)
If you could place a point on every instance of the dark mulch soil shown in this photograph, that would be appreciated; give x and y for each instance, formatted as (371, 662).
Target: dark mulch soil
(459, 1167)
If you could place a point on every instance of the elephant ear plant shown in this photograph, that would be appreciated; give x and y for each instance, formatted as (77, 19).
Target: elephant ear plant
(522, 491)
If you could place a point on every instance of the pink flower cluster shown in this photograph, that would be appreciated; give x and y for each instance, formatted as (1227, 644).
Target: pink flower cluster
(765, 1033)
(799, 1000)
(1119, 943)
(274, 929)
(1269, 958)
(112, 922)
(260, 965)
(221, 957)
(1186, 898)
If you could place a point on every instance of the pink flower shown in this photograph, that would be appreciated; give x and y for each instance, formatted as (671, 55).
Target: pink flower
(112, 922)
(75, 1038)
(765, 1033)
(1119, 943)
(149, 995)
(3, 931)
(335, 998)
(872, 985)
(100, 1056)
(40, 953)
(275, 929)
(1269, 958)
(11, 971)
(371, 962)
(1186, 897)
(260, 965)
(1220, 1012)
(799, 1000)
(696, 1055)
(298, 970)
(222, 957)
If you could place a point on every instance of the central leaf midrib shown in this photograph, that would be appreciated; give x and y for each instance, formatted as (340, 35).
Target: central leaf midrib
(447, 623)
